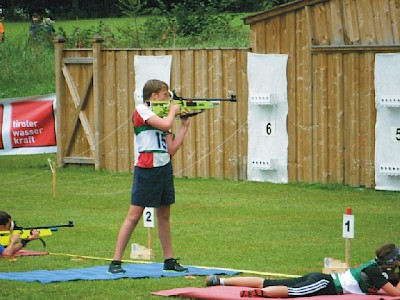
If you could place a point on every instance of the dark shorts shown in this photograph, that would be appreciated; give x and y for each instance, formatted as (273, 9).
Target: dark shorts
(153, 187)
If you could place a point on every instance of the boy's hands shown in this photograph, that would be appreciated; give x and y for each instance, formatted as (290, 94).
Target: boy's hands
(34, 235)
(15, 238)
(175, 108)
(186, 122)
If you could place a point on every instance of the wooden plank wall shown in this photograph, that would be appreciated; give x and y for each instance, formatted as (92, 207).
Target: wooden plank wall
(331, 46)
(216, 144)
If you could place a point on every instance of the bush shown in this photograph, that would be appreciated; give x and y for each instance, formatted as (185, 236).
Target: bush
(82, 37)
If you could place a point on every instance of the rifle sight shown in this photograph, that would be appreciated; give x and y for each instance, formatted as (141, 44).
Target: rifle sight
(176, 97)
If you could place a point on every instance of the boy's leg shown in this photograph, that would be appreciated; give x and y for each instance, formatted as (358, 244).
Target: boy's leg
(254, 282)
(125, 232)
(164, 233)
(164, 229)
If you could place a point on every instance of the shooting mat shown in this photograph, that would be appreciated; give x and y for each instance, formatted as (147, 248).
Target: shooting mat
(136, 271)
(233, 293)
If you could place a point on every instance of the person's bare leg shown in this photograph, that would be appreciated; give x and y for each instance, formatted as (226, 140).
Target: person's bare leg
(254, 282)
(164, 230)
(125, 232)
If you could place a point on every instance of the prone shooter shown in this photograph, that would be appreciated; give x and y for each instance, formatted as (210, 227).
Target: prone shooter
(189, 107)
(13, 238)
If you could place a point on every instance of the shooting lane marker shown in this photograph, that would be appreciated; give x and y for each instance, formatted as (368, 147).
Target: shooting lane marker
(336, 266)
(348, 232)
(52, 165)
(141, 252)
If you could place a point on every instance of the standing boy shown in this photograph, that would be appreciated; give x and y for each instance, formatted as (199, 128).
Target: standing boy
(153, 184)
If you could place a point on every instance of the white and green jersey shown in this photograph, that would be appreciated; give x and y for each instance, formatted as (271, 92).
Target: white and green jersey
(352, 281)
(152, 147)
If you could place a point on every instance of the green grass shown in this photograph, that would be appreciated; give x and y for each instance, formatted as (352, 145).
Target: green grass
(278, 228)
(18, 30)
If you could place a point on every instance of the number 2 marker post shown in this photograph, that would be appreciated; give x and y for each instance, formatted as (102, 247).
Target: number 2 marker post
(348, 232)
(148, 220)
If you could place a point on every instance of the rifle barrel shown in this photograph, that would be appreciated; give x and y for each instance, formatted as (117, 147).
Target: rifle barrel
(232, 99)
(70, 224)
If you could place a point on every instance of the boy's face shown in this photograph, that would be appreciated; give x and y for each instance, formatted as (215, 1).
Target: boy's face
(162, 95)
(6, 227)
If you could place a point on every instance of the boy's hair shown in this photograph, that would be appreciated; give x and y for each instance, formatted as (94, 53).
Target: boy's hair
(4, 218)
(152, 86)
(388, 254)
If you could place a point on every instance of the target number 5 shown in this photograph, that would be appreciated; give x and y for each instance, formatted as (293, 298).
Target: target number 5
(348, 226)
(395, 134)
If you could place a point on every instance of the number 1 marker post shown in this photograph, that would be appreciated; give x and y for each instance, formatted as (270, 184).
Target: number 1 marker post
(348, 232)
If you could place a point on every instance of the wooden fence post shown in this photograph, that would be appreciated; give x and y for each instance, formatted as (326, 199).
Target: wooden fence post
(59, 44)
(98, 101)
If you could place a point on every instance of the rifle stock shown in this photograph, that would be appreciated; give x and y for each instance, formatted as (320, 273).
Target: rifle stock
(25, 232)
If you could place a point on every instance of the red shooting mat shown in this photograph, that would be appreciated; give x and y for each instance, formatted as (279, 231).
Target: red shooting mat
(26, 253)
(233, 293)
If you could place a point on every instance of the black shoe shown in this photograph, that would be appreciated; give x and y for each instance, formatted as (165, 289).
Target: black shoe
(115, 268)
(212, 280)
(172, 264)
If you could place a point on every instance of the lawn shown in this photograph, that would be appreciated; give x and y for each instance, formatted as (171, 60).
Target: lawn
(264, 227)
(18, 30)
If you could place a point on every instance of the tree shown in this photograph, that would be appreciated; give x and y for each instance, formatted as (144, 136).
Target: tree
(72, 9)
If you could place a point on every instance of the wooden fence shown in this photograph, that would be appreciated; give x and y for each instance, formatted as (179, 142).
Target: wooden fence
(95, 100)
(331, 46)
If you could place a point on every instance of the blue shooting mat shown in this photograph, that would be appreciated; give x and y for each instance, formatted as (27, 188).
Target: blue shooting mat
(153, 270)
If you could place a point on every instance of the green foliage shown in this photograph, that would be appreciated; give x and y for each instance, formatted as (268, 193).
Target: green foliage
(194, 18)
(82, 37)
(264, 227)
(186, 24)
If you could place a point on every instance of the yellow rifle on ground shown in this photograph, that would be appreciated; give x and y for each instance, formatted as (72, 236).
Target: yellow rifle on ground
(26, 232)
(189, 107)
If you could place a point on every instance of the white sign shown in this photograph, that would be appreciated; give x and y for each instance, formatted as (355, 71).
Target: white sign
(267, 117)
(148, 217)
(348, 226)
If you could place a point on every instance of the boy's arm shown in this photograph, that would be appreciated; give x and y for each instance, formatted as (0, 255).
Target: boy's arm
(13, 247)
(392, 290)
(173, 144)
(164, 124)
